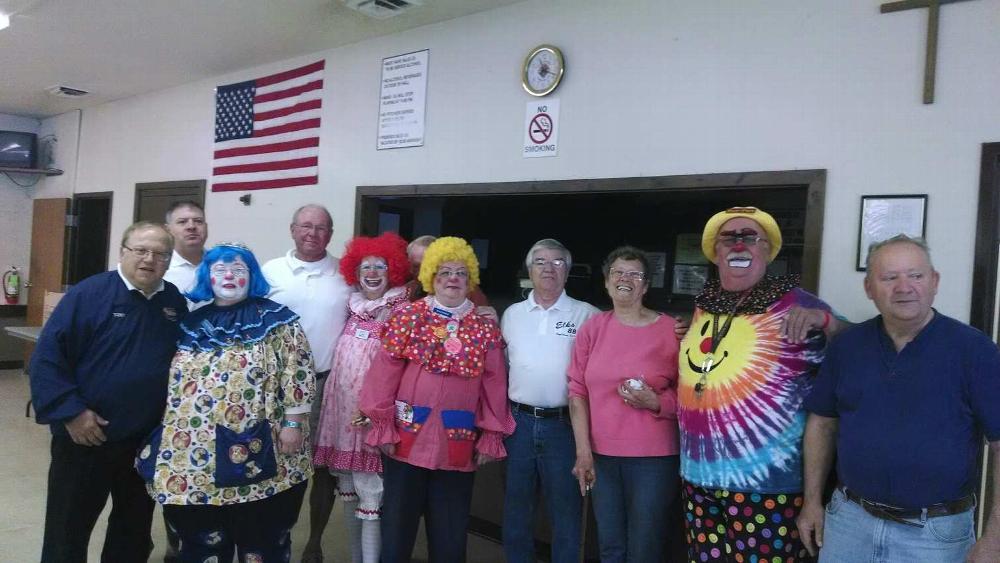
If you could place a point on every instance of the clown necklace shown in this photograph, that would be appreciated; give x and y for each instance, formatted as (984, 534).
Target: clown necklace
(717, 336)
(448, 334)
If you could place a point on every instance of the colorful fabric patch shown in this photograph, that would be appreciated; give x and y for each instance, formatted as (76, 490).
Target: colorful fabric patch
(413, 334)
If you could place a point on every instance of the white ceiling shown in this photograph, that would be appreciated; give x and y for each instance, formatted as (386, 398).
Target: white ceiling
(121, 48)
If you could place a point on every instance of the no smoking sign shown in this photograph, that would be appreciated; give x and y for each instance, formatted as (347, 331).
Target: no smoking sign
(540, 131)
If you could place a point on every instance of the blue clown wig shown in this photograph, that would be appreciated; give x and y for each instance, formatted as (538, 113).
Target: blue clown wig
(226, 252)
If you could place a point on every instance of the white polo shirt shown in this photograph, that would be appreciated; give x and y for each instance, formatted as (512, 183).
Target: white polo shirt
(182, 274)
(539, 343)
(318, 294)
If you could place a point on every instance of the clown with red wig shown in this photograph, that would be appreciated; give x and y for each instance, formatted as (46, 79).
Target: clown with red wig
(377, 268)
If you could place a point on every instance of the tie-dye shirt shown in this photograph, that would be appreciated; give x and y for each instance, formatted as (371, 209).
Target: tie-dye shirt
(744, 432)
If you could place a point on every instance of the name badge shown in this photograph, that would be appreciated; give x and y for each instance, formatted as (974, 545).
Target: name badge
(404, 411)
(362, 333)
(444, 313)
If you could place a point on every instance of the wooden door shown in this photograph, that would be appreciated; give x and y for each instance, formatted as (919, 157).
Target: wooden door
(152, 199)
(48, 256)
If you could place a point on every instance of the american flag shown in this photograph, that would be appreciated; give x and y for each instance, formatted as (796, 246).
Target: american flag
(267, 131)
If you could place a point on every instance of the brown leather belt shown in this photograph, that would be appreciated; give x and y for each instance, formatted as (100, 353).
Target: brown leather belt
(901, 515)
(540, 412)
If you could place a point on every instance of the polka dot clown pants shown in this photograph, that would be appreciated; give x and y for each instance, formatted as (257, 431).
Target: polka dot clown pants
(741, 527)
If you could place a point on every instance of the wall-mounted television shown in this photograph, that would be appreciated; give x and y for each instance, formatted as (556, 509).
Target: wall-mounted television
(18, 149)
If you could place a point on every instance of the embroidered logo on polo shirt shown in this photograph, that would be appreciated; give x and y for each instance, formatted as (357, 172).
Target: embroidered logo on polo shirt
(170, 313)
(118, 315)
(566, 328)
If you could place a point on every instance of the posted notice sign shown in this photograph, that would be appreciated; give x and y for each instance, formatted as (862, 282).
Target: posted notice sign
(541, 136)
(402, 100)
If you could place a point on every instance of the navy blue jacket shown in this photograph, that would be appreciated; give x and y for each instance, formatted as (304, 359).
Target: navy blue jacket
(108, 349)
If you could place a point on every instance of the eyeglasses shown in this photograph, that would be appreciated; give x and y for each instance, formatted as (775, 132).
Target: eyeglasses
(558, 263)
(236, 271)
(318, 229)
(733, 240)
(632, 275)
(444, 274)
(376, 267)
(143, 253)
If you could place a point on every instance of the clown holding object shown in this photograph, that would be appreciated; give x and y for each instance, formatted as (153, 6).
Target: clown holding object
(746, 367)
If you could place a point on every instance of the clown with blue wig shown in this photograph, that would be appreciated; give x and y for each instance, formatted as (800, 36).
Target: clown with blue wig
(228, 463)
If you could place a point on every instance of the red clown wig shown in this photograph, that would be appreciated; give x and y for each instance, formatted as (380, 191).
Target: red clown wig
(388, 246)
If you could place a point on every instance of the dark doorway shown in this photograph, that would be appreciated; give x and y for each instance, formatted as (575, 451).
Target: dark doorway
(152, 199)
(663, 215)
(89, 235)
(664, 221)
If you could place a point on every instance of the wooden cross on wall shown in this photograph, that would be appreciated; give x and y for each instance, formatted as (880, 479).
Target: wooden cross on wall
(930, 58)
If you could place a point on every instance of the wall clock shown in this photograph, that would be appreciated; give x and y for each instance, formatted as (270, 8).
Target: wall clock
(543, 70)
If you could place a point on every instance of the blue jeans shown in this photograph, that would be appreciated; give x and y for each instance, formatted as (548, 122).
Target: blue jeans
(851, 535)
(632, 498)
(540, 454)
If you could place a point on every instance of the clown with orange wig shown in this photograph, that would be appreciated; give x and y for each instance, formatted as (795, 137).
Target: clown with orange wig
(377, 268)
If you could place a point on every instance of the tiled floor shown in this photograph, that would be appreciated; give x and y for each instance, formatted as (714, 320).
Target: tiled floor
(24, 466)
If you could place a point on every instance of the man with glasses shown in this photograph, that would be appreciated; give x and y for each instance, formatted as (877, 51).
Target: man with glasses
(746, 367)
(307, 280)
(99, 379)
(540, 332)
(186, 222)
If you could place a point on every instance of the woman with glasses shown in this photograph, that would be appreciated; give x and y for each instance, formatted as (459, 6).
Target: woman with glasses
(378, 268)
(228, 463)
(623, 402)
(436, 395)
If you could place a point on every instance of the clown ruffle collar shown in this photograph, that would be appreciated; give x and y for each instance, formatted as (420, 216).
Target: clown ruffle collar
(714, 299)
(367, 309)
(214, 326)
(416, 333)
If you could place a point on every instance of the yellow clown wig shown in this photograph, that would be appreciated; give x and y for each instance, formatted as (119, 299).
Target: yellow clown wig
(448, 249)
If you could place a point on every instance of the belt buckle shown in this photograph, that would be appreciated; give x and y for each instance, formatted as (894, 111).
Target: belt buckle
(537, 412)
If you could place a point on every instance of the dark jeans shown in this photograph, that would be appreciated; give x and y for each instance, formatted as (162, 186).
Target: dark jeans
(442, 497)
(259, 530)
(632, 498)
(540, 455)
(80, 480)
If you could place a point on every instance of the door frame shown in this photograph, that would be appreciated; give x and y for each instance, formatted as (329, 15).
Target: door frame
(983, 304)
(73, 244)
(814, 180)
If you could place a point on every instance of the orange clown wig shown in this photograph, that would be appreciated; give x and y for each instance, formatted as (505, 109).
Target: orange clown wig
(387, 246)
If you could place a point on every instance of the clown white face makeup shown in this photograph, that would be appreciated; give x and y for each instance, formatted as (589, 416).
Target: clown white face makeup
(373, 277)
(741, 257)
(230, 281)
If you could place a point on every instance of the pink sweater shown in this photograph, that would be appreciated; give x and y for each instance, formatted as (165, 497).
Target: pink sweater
(605, 354)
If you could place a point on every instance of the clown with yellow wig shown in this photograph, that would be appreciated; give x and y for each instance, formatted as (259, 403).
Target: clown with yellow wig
(436, 394)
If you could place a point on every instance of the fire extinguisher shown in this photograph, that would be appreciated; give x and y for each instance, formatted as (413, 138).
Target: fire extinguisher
(12, 285)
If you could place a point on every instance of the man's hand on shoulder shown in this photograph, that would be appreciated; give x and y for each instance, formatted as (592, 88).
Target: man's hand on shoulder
(86, 428)
(681, 326)
(488, 312)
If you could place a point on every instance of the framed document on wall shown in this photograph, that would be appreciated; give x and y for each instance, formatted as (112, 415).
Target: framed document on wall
(885, 216)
